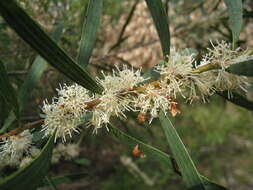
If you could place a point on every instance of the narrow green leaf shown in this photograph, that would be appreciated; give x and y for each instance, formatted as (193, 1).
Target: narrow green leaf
(237, 99)
(189, 172)
(35, 72)
(155, 154)
(145, 148)
(89, 31)
(31, 176)
(38, 67)
(7, 91)
(69, 178)
(30, 31)
(235, 18)
(161, 22)
(243, 68)
(50, 183)
(209, 185)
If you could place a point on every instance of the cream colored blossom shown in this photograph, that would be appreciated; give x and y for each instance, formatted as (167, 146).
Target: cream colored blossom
(174, 72)
(14, 146)
(64, 114)
(151, 101)
(114, 100)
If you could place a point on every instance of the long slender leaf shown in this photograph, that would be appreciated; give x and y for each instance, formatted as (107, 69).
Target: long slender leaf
(7, 91)
(89, 31)
(51, 183)
(243, 68)
(145, 148)
(155, 154)
(237, 99)
(31, 176)
(34, 74)
(69, 178)
(161, 22)
(38, 67)
(30, 31)
(189, 172)
(235, 18)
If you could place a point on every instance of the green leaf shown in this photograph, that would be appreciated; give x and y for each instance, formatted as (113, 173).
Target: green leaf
(235, 18)
(237, 99)
(30, 31)
(35, 72)
(89, 31)
(189, 172)
(210, 185)
(38, 67)
(145, 148)
(161, 22)
(155, 154)
(31, 176)
(243, 68)
(69, 178)
(7, 91)
(50, 183)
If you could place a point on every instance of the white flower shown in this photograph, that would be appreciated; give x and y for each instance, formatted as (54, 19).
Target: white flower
(65, 112)
(175, 71)
(223, 55)
(17, 144)
(152, 101)
(14, 147)
(114, 100)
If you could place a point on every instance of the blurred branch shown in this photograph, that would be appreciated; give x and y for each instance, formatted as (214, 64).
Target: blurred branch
(129, 17)
(19, 72)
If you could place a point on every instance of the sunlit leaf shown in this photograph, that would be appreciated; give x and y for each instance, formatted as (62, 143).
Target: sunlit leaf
(89, 31)
(188, 170)
(235, 18)
(161, 22)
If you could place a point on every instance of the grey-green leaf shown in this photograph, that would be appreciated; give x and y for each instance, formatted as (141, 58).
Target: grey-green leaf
(30, 31)
(89, 31)
(243, 68)
(7, 91)
(161, 22)
(143, 147)
(31, 176)
(155, 154)
(188, 170)
(235, 18)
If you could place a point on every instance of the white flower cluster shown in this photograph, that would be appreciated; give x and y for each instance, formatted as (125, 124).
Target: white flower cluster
(222, 55)
(64, 114)
(120, 94)
(114, 100)
(67, 152)
(17, 148)
(179, 76)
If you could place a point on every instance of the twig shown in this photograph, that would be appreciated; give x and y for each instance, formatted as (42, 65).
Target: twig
(19, 130)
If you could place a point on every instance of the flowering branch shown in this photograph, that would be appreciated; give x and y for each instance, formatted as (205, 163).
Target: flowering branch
(121, 94)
